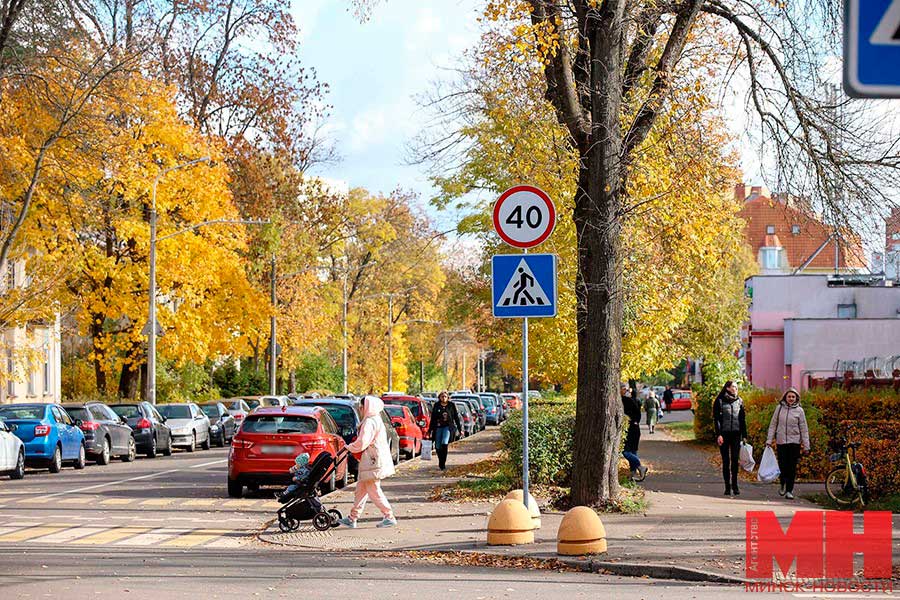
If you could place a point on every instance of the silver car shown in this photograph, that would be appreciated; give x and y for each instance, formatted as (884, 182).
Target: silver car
(189, 425)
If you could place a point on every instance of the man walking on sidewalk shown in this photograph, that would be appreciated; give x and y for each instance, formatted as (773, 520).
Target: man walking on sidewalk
(445, 426)
(633, 436)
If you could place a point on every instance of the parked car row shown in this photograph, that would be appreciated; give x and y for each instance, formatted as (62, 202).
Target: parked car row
(48, 436)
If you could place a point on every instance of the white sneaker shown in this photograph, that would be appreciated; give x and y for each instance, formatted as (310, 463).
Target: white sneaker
(789, 496)
(387, 523)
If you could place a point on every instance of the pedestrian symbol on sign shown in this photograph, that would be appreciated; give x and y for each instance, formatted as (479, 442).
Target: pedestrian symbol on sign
(523, 289)
(888, 31)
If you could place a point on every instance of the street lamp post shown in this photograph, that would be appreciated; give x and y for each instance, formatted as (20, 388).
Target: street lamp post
(151, 345)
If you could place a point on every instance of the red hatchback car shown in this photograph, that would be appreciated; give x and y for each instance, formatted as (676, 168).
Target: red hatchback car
(417, 406)
(409, 431)
(270, 439)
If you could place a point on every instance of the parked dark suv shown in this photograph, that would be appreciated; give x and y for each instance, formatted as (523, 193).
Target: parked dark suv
(222, 425)
(151, 434)
(106, 434)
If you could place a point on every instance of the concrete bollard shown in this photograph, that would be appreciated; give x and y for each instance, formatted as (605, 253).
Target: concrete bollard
(581, 532)
(532, 506)
(510, 525)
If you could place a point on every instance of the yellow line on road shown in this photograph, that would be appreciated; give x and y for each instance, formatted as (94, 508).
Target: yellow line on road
(29, 533)
(195, 538)
(112, 535)
(158, 502)
(79, 500)
(200, 502)
(239, 504)
(117, 501)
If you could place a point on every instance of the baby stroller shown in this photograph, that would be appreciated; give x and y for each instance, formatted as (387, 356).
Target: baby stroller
(303, 503)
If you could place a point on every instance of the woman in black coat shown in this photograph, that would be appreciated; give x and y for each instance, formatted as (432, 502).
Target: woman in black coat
(445, 426)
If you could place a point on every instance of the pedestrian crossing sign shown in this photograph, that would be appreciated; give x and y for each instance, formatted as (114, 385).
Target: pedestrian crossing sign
(523, 285)
(872, 48)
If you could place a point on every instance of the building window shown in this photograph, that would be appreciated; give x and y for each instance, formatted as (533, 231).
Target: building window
(10, 374)
(846, 311)
(771, 258)
(795, 229)
(770, 230)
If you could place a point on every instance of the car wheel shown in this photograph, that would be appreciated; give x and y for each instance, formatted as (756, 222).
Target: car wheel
(205, 445)
(55, 465)
(221, 441)
(132, 451)
(103, 457)
(235, 489)
(81, 460)
(193, 445)
(151, 453)
(342, 483)
(167, 451)
(19, 471)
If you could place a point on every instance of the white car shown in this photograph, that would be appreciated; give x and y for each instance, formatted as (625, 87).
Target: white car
(12, 452)
(189, 425)
(274, 401)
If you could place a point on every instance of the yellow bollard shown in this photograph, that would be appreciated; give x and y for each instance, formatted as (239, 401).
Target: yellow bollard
(510, 525)
(532, 506)
(581, 532)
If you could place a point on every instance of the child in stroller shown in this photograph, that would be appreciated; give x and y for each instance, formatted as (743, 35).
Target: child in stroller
(300, 499)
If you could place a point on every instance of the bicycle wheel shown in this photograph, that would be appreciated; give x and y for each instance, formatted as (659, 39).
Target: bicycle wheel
(839, 487)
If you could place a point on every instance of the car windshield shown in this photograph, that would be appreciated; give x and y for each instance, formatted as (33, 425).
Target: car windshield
(22, 412)
(463, 408)
(252, 403)
(269, 402)
(210, 410)
(126, 411)
(342, 415)
(487, 402)
(78, 413)
(393, 410)
(412, 405)
(174, 411)
(280, 424)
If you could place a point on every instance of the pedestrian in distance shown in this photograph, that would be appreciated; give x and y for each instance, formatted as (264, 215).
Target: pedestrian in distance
(375, 464)
(668, 398)
(789, 435)
(444, 428)
(651, 407)
(730, 422)
(632, 410)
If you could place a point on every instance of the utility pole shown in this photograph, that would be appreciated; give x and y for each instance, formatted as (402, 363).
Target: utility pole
(344, 330)
(421, 376)
(390, 365)
(272, 344)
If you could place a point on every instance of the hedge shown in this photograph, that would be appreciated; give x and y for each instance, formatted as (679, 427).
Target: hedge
(869, 417)
(551, 442)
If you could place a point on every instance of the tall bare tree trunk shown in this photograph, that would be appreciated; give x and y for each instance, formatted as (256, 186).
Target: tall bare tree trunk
(599, 286)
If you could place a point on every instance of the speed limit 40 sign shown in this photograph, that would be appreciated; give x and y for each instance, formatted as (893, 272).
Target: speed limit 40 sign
(524, 216)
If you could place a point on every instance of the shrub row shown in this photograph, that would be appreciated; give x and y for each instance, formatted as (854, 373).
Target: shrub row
(551, 443)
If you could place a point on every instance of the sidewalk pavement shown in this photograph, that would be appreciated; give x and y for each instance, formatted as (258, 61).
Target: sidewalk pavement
(690, 530)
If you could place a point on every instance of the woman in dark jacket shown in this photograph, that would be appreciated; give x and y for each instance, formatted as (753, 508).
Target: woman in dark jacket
(632, 409)
(445, 426)
(731, 428)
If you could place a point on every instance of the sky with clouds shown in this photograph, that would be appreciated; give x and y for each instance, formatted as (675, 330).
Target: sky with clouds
(375, 71)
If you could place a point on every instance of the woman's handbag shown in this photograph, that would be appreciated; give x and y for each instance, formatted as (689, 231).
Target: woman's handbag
(768, 466)
(426, 449)
(747, 461)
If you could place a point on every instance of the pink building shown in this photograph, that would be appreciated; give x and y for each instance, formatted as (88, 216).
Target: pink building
(803, 325)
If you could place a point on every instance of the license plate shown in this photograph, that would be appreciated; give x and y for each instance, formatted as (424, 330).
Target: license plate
(278, 449)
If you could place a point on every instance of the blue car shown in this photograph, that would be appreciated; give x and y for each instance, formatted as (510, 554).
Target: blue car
(49, 434)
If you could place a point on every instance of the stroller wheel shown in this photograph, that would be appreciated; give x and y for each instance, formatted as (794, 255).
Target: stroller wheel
(322, 521)
(335, 515)
(287, 524)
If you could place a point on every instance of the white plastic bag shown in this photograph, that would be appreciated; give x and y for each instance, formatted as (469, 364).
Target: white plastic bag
(768, 466)
(747, 461)
(426, 449)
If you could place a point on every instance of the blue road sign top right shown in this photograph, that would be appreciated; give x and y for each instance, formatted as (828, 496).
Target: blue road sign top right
(872, 48)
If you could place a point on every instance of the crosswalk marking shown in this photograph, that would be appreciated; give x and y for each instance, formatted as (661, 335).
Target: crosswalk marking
(194, 538)
(158, 502)
(109, 536)
(117, 501)
(30, 533)
(259, 504)
(77, 500)
(205, 502)
(151, 538)
(67, 535)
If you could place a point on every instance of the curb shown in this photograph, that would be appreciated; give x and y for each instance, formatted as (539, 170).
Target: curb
(653, 571)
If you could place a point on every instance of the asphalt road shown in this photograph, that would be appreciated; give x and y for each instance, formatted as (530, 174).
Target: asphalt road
(165, 528)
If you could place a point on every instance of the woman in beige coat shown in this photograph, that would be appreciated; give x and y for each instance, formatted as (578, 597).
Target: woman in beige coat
(375, 464)
(789, 435)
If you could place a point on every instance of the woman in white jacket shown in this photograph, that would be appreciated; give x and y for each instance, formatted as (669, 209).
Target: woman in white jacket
(789, 435)
(375, 464)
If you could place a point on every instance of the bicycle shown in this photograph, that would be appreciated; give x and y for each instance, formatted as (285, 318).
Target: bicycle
(846, 484)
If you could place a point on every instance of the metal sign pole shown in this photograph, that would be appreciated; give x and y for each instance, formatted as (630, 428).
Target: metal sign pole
(525, 411)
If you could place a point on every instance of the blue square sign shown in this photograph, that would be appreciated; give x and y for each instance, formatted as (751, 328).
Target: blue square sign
(523, 285)
(872, 48)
